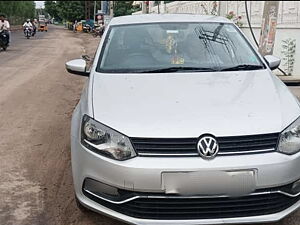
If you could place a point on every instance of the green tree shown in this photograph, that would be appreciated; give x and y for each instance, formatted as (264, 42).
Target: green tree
(122, 8)
(52, 8)
(70, 10)
(17, 11)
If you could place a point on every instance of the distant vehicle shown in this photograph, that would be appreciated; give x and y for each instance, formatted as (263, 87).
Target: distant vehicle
(86, 28)
(43, 26)
(182, 122)
(42, 18)
(79, 27)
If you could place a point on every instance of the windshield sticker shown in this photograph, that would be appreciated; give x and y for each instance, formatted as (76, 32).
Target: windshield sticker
(170, 44)
(172, 31)
(253, 59)
(177, 60)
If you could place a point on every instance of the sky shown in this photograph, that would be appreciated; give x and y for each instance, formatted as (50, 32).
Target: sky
(39, 4)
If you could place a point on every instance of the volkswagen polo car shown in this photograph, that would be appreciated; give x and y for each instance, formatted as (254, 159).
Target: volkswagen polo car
(181, 121)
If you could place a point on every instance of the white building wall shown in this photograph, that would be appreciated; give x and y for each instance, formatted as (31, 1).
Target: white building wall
(288, 19)
(281, 34)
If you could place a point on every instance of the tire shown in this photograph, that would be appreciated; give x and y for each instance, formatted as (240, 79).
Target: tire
(4, 48)
(27, 37)
(82, 208)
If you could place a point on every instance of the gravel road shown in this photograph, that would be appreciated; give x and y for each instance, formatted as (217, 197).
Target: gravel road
(37, 97)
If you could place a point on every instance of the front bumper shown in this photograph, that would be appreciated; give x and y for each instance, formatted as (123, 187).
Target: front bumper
(144, 174)
(92, 205)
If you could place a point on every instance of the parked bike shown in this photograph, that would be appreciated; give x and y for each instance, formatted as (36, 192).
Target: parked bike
(87, 28)
(3, 39)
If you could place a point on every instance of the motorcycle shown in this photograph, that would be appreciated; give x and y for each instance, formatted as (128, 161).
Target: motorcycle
(87, 28)
(34, 31)
(3, 39)
(98, 31)
(27, 32)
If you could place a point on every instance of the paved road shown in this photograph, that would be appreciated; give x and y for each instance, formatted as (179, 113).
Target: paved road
(37, 97)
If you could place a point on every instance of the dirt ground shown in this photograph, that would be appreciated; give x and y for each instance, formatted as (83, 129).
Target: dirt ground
(37, 97)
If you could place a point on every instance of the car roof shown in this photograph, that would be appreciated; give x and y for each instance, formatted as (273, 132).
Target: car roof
(165, 18)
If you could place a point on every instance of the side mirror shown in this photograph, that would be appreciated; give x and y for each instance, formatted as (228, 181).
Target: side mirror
(272, 61)
(78, 67)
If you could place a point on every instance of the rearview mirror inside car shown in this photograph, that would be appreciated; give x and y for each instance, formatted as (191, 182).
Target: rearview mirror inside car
(78, 67)
(272, 61)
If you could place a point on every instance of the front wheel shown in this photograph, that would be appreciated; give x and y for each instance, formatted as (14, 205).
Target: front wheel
(27, 37)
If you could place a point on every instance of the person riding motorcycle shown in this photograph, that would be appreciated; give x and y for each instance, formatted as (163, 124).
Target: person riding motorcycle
(27, 24)
(28, 28)
(34, 27)
(4, 26)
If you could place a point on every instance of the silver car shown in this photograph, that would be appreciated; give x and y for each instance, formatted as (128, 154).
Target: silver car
(181, 121)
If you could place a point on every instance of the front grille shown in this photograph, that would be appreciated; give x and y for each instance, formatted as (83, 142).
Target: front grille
(188, 146)
(174, 208)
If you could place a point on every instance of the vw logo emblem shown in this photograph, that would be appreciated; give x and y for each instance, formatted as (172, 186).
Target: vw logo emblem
(207, 147)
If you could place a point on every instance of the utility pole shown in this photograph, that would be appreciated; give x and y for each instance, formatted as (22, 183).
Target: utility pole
(145, 7)
(268, 30)
(163, 6)
(95, 6)
(111, 8)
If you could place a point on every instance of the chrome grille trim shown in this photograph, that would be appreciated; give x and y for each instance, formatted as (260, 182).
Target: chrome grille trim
(231, 145)
(156, 154)
(189, 197)
(248, 152)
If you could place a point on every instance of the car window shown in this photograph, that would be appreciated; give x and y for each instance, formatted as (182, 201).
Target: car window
(185, 46)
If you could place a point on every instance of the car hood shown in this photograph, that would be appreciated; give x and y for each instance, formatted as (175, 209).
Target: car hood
(191, 104)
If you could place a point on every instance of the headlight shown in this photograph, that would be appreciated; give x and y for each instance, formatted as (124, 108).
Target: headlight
(289, 142)
(104, 140)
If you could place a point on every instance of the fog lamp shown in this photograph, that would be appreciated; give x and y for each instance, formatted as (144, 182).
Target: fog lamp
(100, 189)
(296, 187)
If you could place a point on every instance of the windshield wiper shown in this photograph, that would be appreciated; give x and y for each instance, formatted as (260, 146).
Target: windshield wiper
(180, 68)
(243, 67)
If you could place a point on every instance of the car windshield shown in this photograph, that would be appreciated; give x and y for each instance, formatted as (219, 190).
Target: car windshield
(176, 47)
